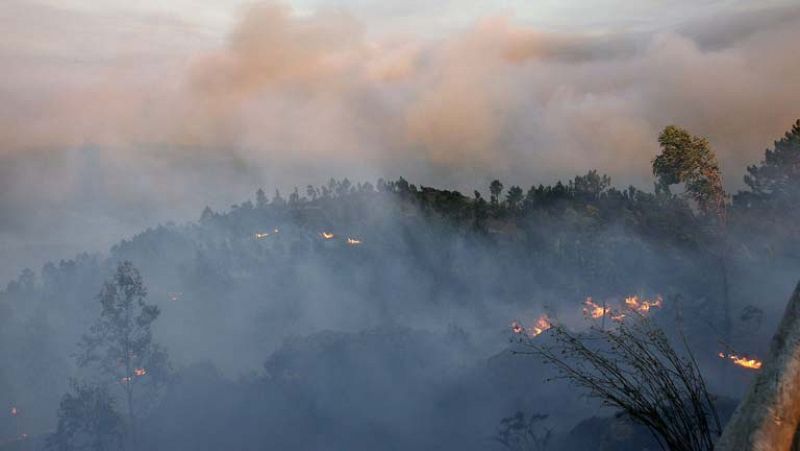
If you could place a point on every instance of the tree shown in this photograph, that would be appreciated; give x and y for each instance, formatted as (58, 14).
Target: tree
(207, 215)
(495, 189)
(479, 212)
(311, 192)
(87, 420)
(778, 175)
(688, 159)
(119, 345)
(294, 198)
(261, 199)
(514, 197)
(591, 186)
(278, 200)
(635, 369)
(774, 189)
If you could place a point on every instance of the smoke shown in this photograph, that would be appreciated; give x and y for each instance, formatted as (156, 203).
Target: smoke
(128, 128)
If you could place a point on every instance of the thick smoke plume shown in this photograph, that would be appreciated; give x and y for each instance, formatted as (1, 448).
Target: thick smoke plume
(166, 113)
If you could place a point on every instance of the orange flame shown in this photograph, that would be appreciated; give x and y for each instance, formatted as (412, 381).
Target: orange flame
(542, 324)
(617, 317)
(642, 305)
(744, 362)
(592, 310)
(327, 235)
(139, 372)
(353, 241)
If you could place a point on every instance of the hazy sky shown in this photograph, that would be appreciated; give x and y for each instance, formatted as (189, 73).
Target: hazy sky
(116, 115)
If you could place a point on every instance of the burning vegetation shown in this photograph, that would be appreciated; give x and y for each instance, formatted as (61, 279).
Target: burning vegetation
(542, 324)
(262, 235)
(750, 363)
(642, 306)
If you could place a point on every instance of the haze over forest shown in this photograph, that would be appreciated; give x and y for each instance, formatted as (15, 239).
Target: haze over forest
(117, 117)
(347, 225)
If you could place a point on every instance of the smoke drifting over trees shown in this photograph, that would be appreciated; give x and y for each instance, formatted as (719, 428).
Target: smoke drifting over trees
(301, 226)
(363, 316)
(163, 119)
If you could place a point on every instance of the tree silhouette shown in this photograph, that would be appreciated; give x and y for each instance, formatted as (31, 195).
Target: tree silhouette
(688, 159)
(119, 345)
(87, 420)
(495, 189)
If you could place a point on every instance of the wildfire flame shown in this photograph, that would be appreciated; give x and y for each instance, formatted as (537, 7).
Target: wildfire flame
(542, 324)
(744, 362)
(642, 305)
(14, 411)
(139, 372)
(327, 235)
(353, 241)
(617, 317)
(594, 311)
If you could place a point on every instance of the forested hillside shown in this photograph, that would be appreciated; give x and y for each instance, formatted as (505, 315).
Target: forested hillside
(352, 315)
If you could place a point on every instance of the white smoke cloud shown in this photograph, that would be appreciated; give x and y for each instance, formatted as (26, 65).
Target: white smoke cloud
(165, 121)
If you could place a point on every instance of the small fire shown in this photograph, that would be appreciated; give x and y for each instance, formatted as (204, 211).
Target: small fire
(594, 311)
(139, 372)
(617, 317)
(744, 362)
(327, 235)
(14, 411)
(542, 324)
(642, 305)
(353, 241)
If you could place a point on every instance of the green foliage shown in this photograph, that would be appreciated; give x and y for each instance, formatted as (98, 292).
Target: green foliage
(514, 198)
(87, 420)
(495, 189)
(776, 180)
(688, 159)
(119, 345)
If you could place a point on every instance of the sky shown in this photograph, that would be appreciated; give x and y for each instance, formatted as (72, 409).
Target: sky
(118, 115)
